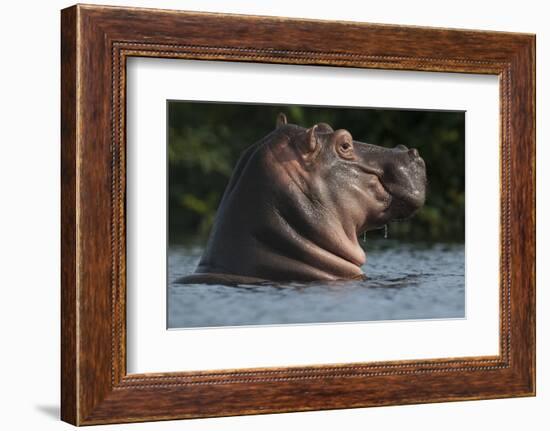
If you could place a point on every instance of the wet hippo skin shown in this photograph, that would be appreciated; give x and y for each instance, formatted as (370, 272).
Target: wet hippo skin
(298, 200)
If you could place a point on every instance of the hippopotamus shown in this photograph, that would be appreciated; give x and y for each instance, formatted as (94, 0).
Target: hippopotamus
(297, 202)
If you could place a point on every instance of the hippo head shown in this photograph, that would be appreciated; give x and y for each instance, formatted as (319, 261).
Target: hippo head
(299, 198)
(366, 184)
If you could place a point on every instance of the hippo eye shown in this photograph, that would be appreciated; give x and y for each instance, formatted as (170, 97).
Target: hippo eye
(346, 146)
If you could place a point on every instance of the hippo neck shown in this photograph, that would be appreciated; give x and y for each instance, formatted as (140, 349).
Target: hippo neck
(301, 251)
(304, 228)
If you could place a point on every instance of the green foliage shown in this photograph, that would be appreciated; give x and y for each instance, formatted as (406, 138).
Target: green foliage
(206, 139)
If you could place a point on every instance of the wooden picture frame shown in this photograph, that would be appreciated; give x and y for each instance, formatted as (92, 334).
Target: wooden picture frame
(95, 43)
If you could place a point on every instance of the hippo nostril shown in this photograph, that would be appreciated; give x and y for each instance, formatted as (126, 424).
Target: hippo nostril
(414, 152)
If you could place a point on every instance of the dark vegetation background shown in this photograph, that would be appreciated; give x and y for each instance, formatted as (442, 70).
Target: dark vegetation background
(206, 139)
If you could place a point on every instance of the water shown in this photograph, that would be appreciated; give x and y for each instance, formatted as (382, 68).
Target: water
(405, 281)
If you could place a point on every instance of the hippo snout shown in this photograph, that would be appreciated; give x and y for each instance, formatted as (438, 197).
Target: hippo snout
(405, 178)
(412, 152)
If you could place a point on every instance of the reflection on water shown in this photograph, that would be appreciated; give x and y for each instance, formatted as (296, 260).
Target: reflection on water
(405, 281)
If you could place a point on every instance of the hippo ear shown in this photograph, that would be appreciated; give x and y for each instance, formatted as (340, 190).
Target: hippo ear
(281, 120)
(310, 143)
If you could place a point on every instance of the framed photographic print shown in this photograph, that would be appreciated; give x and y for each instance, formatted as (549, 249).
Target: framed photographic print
(264, 214)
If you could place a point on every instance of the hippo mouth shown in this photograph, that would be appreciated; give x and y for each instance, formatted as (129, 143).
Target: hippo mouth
(402, 208)
(405, 198)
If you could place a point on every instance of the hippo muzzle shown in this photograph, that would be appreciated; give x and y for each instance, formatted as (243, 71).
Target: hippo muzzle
(402, 173)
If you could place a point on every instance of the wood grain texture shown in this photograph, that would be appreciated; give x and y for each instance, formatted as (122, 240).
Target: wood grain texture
(96, 41)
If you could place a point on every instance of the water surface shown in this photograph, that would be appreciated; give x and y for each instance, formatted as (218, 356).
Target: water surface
(405, 281)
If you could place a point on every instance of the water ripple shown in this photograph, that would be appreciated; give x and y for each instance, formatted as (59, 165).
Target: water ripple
(405, 281)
